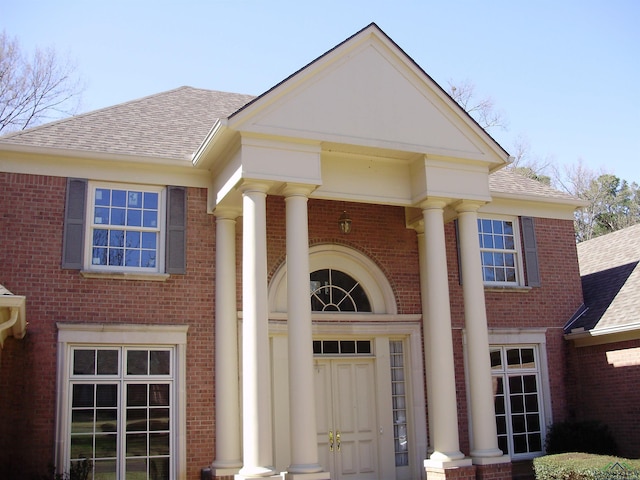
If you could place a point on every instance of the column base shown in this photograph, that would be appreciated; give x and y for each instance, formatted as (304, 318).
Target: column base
(224, 473)
(306, 476)
(239, 476)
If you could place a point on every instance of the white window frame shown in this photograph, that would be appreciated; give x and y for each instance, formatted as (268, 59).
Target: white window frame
(517, 251)
(105, 336)
(90, 226)
(521, 338)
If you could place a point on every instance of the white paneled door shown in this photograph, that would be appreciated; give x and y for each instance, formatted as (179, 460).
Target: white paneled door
(346, 418)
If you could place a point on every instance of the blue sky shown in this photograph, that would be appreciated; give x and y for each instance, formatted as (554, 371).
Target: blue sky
(565, 73)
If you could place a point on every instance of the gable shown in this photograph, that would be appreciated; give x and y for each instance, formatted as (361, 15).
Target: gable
(367, 92)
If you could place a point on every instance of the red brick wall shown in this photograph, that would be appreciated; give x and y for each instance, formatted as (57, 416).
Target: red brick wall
(604, 387)
(31, 221)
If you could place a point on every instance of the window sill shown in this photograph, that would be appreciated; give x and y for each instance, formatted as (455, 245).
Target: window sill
(152, 277)
(507, 288)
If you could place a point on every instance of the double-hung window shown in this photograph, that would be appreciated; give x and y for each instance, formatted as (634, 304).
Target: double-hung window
(124, 228)
(505, 255)
(498, 250)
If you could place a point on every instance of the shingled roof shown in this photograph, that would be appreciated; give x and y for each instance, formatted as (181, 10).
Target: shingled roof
(173, 124)
(169, 125)
(610, 282)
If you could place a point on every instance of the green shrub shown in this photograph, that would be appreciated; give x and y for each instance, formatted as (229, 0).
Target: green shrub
(583, 466)
(585, 437)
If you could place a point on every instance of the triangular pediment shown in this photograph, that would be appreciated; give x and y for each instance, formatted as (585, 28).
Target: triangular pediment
(368, 92)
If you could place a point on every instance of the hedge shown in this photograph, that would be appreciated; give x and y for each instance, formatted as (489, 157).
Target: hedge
(585, 466)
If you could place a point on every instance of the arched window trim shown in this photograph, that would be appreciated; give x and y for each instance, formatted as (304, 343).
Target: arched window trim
(344, 259)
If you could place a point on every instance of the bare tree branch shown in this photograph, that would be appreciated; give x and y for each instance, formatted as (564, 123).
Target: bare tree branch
(35, 90)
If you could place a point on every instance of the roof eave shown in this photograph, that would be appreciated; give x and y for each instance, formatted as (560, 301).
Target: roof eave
(91, 155)
(213, 138)
(596, 336)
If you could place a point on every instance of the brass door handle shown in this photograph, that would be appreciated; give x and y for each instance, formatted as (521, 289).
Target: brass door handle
(338, 439)
(331, 440)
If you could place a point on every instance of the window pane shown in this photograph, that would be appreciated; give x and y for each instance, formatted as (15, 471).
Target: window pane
(104, 470)
(81, 446)
(136, 444)
(116, 256)
(106, 445)
(137, 395)
(149, 240)
(100, 237)
(159, 444)
(134, 200)
(528, 359)
(107, 362)
(132, 258)
(134, 218)
(84, 362)
(107, 395)
(107, 419)
(158, 419)
(103, 196)
(137, 362)
(150, 201)
(136, 419)
(159, 394)
(513, 357)
(347, 346)
(117, 216)
(119, 198)
(161, 468)
(496, 359)
(150, 218)
(82, 421)
(137, 468)
(82, 396)
(101, 216)
(364, 346)
(159, 362)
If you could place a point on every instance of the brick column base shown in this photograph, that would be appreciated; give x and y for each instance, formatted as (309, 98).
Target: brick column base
(466, 472)
(496, 471)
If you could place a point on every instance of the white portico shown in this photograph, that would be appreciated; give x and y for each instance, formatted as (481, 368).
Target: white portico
(362, 123)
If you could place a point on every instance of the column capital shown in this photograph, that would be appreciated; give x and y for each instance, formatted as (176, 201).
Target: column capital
(298, 189)
(464, 206)
(436, 203)
(260, 186)
(229, 213)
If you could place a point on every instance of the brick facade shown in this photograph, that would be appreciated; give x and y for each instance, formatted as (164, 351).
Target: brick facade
(31, 226)
(604, 388)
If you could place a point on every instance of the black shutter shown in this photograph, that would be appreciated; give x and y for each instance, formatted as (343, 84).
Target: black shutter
(530, 251)
(176, 257)
(74, 216)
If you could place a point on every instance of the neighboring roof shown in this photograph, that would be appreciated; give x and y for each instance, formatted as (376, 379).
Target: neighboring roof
(610, 283)
(169, 125)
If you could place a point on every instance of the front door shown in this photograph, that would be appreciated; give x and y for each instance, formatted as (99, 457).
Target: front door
(346, 418)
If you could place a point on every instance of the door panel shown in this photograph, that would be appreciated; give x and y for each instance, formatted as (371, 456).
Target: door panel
(346, 418)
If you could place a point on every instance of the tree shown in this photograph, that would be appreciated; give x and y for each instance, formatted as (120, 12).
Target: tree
(35, 89)
(612, 203)
(483, 110)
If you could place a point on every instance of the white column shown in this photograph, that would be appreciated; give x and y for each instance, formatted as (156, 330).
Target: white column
(302, 409)
(256, 375)
(228, 456)
(484, 437)
(439, 344)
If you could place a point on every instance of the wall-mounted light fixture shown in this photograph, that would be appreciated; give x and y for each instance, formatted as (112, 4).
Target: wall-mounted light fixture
(344, 222)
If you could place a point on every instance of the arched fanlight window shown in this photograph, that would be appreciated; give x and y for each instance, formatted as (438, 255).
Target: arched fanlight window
(335, 291)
